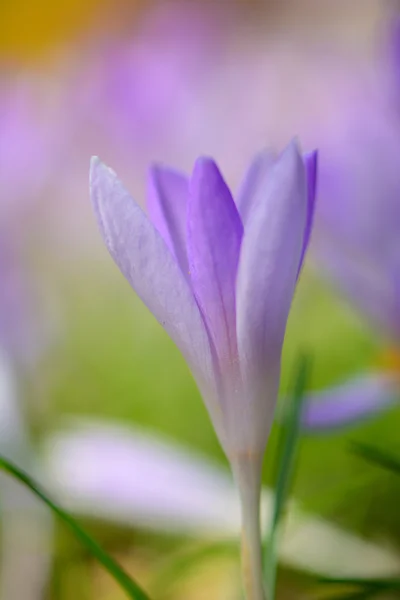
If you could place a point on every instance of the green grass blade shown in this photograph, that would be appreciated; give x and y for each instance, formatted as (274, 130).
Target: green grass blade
(286, 451)
(367, 588)
(380, 582)
(376, 456)
(359, 595)
(131, 588)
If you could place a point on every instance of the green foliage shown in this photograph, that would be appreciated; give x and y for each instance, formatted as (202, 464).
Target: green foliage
(285, 460)
(364, 588)
(376, 457)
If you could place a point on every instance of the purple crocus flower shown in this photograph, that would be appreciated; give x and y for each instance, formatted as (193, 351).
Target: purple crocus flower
(219, 275)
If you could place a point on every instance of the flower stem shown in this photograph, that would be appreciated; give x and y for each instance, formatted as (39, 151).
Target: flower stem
(248, 478)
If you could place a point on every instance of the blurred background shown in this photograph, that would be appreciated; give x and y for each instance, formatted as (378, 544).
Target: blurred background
(91, 386)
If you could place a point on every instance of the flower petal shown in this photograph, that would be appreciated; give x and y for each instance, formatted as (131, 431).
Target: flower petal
(214, 237)
(350, 403)
(267, 275)
(311, 164)
(253, 182)
(144, 259)
(167, 208)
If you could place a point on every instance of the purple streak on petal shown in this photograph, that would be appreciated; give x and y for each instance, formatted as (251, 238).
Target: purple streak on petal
(267, 277)
(144, 259)
(167, 208)
(214, 238)
(253, 181)
(311, 164)
(350, 403)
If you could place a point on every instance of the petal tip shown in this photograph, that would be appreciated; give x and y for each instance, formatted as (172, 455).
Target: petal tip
(100, 176)
(205, 172)
(204, 162)
(295, 145)
(94, 161)
(95, 166)
(291, 157)
(154, 169)
(312, 156)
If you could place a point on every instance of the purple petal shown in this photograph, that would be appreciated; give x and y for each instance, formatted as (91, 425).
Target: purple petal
(311, 164)
(350, 403)
(253, 181)
(267, 275)
(167, 207)
(144, 259)
(214, 237)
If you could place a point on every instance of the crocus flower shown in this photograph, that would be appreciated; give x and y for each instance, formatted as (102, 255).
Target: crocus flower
(219, 275)
(356, 239)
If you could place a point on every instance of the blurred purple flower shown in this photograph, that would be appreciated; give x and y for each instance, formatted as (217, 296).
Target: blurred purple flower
(28, 153)
(27, 143)
(138, 90)
(220, 277)
(356, 241)
(28, 146)
(24, 329)
(351, 402)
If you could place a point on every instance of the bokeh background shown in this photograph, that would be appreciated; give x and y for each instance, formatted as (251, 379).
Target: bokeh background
(140, 81)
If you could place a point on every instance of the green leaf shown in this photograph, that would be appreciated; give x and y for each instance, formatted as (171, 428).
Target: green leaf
(131, 588)
(364, 594)
(367, 588)
(376, 456)
(285, 461)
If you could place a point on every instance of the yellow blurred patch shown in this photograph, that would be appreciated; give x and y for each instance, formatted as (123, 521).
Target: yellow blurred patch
(31, 30)
(389, 360)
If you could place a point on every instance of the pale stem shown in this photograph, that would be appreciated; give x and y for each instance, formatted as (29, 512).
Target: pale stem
(247, 472)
